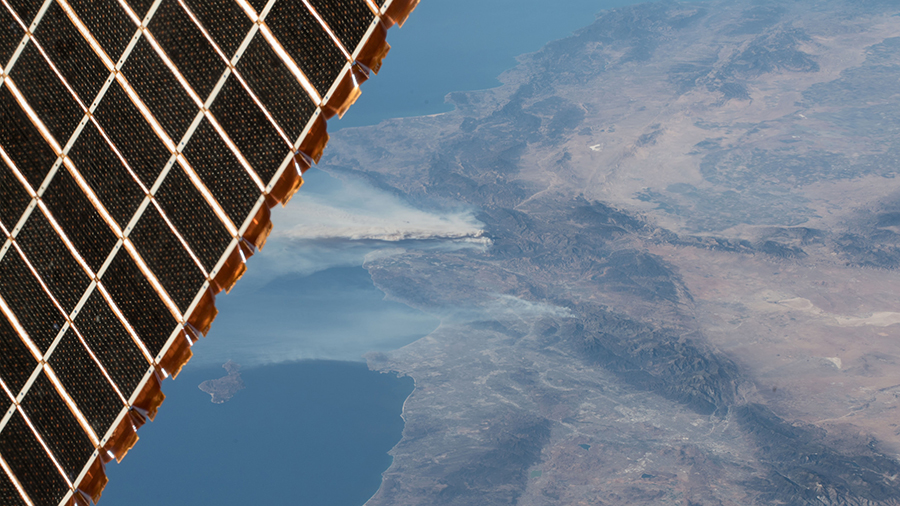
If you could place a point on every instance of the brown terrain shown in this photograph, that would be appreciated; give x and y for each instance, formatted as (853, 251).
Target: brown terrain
(691, 292)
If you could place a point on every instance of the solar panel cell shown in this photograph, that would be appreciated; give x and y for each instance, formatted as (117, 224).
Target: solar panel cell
(26, 9)
(137, 300)
(348, 19)
(31, 464)
(46, 94)
(258, 5)
(221, 172)
(106, 175)
(107, 22)
(276, 87)
(8, 493)
(91, 235)
(160, 90)
(16, 362)
(224, 21)
(65, 279)
(307, 42)
(193, 218)
(10, 35)
(22, 141)
(142, 149)
(250, 130)
(109, 340)
(186, 46)
(85, 383)
(28, 301)
(71, 54)
(57, 426)
(140, 7)
(15, 198)
(167, 258)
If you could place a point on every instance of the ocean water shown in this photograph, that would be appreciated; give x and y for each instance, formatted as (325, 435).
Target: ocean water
(461, 45)
(315, 433)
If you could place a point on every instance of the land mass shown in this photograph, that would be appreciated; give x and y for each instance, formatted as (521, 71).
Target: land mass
(223, 389)
(690, 292)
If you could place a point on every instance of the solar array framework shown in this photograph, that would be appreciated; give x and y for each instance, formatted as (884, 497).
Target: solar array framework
(142, 144)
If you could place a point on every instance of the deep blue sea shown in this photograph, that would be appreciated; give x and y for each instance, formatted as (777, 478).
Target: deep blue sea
(314, 433)
(317, 432)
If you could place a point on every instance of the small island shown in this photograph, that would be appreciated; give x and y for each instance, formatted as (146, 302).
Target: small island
(224, 388)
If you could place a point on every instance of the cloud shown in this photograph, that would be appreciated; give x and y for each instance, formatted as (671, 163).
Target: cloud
(333, 223)
(354, 211)
(324, 220)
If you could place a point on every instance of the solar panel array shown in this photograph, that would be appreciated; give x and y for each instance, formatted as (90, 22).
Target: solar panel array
(143, 143)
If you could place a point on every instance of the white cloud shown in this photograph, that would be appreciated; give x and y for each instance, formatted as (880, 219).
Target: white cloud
(355, 212)
(332, 223)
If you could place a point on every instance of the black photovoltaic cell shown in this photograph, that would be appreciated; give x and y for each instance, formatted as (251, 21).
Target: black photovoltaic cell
(258, 5)
(307, 43)
(193, 218)
(276, 87)
(5, 404)
(26, 9)
(137, 300)
(167, 258)
(71, 54)
(221, 172)
(10, 35)
(28, 301)
(57, 426)
(46, 94)
(249, 129)
(85, 383)
(186, 46)
(31, 464)
(51, 259)
(23, 142)
(142, 149)
(348, 19)
(8, 493)
(224, 20)
(15, 198)
(91, 235)
(160, 90)
(107, 22)
(140, 7)
(16, 362)
(111, 343)
(105, 174)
